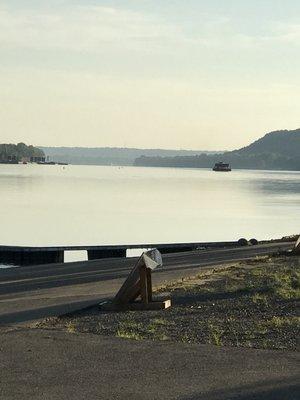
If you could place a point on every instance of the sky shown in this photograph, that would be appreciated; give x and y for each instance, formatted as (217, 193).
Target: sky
(192, 74)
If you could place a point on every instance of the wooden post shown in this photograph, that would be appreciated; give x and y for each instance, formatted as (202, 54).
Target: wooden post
(144, 285)
(149, 284)
(296, 249)
(139, 284)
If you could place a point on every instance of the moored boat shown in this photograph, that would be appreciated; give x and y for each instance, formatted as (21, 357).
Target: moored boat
(221, 167)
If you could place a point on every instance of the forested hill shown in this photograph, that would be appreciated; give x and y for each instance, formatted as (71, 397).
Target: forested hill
(17, 152)
(279, 150)
(278, 142)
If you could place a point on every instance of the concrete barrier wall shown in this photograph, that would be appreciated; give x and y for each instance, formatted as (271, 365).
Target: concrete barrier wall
(20, 257)
(46, 255)
(98, 254)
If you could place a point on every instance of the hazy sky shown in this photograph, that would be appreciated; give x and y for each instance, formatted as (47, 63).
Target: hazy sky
(194, 74)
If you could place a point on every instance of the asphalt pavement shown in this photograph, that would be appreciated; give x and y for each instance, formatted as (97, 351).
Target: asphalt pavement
(51, 365)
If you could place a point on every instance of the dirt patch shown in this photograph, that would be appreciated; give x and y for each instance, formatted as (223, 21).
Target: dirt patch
(250, 304)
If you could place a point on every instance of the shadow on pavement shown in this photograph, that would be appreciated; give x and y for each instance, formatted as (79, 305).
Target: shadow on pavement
(288, 389)
(45, 312)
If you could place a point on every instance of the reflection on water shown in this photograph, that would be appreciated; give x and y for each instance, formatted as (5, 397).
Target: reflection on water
(56, 205)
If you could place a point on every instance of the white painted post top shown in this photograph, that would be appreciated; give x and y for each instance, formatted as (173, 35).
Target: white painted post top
(152, 259)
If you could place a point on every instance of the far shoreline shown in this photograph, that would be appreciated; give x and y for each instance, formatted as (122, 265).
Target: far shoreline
(153, 166)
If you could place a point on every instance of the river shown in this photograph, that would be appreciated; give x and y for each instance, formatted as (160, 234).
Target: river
(95, 205)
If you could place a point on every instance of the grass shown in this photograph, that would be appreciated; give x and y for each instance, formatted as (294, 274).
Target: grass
(260, 299)
(280, 322)
(70, 327)
(215, 334)
(185, 338)
(265, 281)
(281, 284)
(137, 331)
(129, 330)
(123, 333)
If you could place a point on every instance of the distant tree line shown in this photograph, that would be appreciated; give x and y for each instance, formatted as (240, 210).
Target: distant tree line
(17, 152)
(278, 150)
(109, 155)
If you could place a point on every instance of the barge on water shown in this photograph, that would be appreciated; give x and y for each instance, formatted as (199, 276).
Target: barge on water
(221, 167)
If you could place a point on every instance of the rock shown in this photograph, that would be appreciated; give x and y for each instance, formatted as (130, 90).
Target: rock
(243, 242)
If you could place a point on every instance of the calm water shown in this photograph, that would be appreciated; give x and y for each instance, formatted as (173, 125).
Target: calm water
(56, 205)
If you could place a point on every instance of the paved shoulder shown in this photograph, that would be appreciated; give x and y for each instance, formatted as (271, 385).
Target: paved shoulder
(50, 365)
